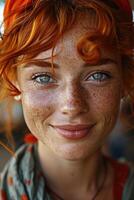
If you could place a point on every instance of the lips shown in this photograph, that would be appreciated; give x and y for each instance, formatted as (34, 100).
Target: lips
(73, 131)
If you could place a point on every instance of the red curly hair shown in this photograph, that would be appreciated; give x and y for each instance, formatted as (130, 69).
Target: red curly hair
(22, 22)
(34, 26)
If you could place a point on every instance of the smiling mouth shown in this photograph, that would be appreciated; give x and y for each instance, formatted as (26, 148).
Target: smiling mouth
(73, 131)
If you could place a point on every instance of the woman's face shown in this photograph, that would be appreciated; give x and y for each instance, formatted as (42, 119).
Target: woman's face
(80, 94)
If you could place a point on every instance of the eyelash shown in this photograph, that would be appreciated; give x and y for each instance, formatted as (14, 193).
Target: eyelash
(104, 76)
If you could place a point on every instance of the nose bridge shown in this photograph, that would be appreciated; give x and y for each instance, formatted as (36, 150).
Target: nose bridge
(73, 92)
(74, 99)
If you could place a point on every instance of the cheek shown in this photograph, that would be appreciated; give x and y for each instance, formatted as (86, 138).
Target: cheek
(109, 99)
(105, 106)
(37, 107)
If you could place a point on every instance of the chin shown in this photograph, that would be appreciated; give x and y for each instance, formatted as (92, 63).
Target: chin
(75, 152)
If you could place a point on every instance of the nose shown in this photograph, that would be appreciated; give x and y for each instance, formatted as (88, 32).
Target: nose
(74, 101)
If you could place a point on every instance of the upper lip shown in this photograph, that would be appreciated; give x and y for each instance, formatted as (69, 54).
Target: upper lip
(76, 127)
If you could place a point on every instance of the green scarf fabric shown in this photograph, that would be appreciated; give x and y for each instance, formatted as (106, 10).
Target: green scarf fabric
(22, 178)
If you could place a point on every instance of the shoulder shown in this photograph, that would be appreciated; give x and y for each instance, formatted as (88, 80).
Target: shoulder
(128, 193)
(121, 173)
(121, 170)
(21, 177)
(16, 163)
(13, 170)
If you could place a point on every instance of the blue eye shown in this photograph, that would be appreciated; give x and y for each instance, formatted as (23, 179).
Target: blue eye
(43, 79)
(99, 77)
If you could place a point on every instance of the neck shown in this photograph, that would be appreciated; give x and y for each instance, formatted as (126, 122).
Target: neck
(73, 176)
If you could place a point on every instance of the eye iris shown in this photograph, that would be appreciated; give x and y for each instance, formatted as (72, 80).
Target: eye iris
(43, 79)
(99, 76)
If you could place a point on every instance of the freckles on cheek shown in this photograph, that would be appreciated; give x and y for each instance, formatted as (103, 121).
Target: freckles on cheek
(105, 108)
(37, 105)
(106, 100)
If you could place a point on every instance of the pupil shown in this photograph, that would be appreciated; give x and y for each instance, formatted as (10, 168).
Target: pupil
(98, 76)
(44, 78)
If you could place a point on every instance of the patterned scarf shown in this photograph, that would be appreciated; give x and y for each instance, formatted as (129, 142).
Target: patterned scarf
(22, 178)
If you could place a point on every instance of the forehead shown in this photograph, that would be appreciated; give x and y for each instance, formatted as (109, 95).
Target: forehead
(66, 46)
(85, 22)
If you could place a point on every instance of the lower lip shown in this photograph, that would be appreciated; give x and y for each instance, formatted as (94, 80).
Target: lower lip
(73, 134)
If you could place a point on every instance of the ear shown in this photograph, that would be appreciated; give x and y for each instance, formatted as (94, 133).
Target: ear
(17, 97)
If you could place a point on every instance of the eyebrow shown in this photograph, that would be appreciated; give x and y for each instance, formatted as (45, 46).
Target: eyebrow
(42, 63)
(101, 62)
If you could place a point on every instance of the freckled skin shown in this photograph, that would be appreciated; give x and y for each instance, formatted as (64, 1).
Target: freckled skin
(71, 101)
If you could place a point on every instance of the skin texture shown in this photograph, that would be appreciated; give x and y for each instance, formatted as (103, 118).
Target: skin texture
(73, 96)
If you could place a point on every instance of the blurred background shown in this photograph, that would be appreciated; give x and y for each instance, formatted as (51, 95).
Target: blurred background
(120, 144)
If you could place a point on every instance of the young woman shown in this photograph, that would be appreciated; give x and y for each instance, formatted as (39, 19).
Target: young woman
(69, 63)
